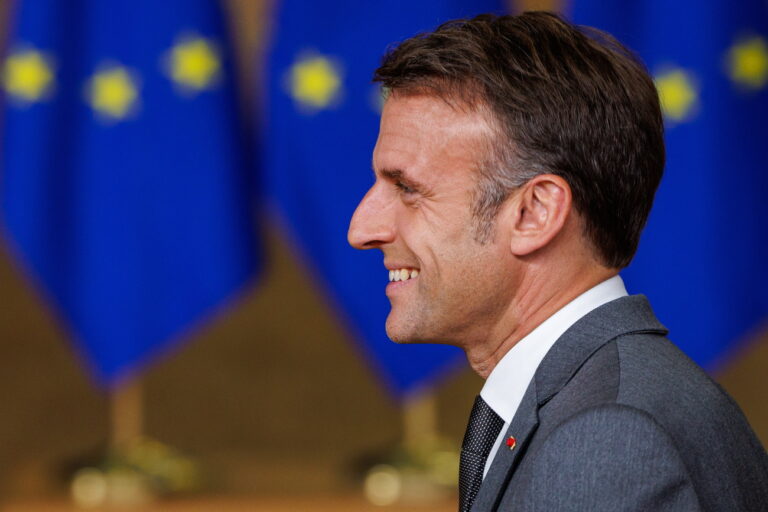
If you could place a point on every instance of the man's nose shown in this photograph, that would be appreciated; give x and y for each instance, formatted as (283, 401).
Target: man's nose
(372, 224)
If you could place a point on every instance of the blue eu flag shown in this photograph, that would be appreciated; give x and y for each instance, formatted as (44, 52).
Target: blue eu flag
(125, 188)
(702, 258)
(321, 125)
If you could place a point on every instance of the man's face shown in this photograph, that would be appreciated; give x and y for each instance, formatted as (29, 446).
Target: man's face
(418, 212)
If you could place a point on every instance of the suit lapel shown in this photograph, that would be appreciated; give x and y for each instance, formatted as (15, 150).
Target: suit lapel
(522, 428)
(626, 315)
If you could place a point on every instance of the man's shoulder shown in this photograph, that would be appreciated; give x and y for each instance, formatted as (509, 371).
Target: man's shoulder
(606, 456)
(623, 356)
(639, 385)
(656, 376)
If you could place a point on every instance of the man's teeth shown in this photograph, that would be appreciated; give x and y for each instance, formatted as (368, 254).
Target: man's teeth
(402, 274)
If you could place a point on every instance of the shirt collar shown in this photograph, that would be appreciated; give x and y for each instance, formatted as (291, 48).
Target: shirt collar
(506, 385)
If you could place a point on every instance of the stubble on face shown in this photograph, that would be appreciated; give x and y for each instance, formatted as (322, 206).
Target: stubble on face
(457, 304)
(463, 286)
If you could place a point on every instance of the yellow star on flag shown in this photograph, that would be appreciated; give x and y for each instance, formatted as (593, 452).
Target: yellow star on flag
(677, 93)
(315, 82)
(27, 75)
(113, 93)
(747, 62)
(194, 63)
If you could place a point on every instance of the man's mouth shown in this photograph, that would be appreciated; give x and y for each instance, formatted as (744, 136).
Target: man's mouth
(402, 274)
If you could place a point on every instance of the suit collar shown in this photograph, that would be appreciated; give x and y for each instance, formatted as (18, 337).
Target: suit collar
(631, 314)
(505, 386)
(627, 315)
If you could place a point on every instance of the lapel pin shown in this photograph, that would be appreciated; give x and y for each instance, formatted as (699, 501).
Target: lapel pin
(511, 442)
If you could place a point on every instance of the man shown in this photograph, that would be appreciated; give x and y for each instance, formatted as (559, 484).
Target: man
(515, 167)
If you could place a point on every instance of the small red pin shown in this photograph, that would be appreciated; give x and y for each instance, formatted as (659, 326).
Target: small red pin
(511, 442)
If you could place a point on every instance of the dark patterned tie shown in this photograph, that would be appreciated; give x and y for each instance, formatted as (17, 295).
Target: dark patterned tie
(483, 429)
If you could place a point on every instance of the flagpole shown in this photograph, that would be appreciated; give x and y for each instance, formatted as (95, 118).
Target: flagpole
(536, 5)
(420, 472)
(420, 420)
(127, 413)
(115, 482)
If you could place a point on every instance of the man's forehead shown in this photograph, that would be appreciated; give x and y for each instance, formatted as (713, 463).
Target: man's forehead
(422, 137)
(428, 122)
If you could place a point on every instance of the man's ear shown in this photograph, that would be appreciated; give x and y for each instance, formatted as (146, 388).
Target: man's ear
(538, 212)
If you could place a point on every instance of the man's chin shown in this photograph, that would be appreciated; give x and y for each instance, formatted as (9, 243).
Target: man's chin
(397, 336)
(399, 333)
(404, 333)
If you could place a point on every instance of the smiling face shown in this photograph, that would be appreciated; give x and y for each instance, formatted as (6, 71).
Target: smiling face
(418, 212)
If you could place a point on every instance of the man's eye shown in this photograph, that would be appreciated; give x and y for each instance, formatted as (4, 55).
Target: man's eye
(404, 188)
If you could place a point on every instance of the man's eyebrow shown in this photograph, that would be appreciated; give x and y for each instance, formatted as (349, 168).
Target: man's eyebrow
(392, 174)
(398, 175)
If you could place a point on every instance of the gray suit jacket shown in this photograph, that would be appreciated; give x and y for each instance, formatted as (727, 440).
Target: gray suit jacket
(617, 418)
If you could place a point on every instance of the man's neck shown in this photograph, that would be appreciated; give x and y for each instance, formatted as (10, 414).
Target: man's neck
(537, 299)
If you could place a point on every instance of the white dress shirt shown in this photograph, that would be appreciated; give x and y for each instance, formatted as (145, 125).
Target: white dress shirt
(508, 381)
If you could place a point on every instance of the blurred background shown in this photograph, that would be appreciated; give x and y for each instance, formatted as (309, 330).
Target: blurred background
(183, 326)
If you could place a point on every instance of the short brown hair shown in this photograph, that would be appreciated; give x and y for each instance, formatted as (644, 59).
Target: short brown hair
(566, 100)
